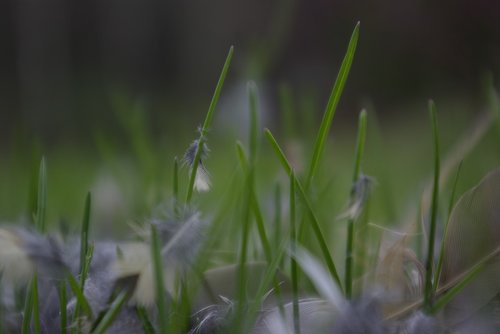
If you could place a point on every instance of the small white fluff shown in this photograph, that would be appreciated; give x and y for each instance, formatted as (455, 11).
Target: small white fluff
(202, 180)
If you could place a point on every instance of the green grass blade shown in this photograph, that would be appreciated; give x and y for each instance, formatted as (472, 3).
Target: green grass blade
(146, 323)
(110, 315)
(307, 204)
(161, 300)
(42, 196)
(428, 290)
(278, 151)
(277, 214)
(80, 297)
(242, 272)
(28, 311)
(84, 236)
(293, 263)
(350, 224)
(335, 94)
(31, 307)
(63, 301)
(450, 207)
(207, 123)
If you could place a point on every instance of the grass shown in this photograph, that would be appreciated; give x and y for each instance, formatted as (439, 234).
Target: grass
(255, 218)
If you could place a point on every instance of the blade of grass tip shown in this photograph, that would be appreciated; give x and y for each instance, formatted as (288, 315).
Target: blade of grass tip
(303, 197)
(161, 300)
(293, 263)
(142, 314)
(63, 301)
(428, 292)
(84, 236)
(331, 106)
(450, 207)
(350, 224)
(42, 196)
(110, 315)
(206, 124)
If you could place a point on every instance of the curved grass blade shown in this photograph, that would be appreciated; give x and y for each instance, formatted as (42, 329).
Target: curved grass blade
(293, 263)
(206, 124)
(331, 106)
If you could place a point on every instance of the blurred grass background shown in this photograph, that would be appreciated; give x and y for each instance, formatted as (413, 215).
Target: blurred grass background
(111, 91)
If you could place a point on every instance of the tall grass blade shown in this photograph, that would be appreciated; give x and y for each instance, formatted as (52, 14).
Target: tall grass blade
(146, 323)
(331, 106)
(84, 236)
(36, 305)
(63, 301)
(207, 123)
(293, 263)
(450, 207)
(28, 311)
(41, 206)
(429, 264)
(350, 224)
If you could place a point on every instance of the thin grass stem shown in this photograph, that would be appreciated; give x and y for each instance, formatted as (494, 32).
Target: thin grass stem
(207, 123)
(428, 291)
(293, 263)
(350, 224)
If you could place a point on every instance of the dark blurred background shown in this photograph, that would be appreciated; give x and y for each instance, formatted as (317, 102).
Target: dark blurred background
(61, 62)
